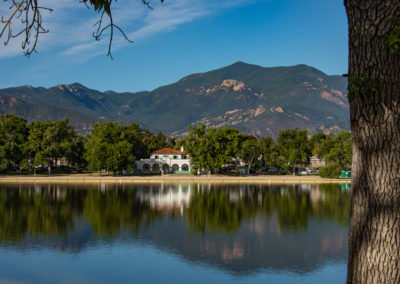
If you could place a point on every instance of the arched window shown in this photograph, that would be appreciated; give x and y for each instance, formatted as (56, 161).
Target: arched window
(146, 168)
(156, 168)
(175, 168)
(185, 167)
(165, 168)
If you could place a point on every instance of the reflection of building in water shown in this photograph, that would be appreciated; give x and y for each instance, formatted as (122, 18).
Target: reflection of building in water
(166, 197)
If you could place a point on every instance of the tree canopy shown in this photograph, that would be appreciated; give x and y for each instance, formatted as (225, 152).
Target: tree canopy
(294, 147)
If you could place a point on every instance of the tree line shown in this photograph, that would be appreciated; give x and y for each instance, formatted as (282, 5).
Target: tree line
(111, 147)
(115, 148)
(211, 149)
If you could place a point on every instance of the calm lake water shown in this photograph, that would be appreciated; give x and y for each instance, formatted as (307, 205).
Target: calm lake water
(177, 233)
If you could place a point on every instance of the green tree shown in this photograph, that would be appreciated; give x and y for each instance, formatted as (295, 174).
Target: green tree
(136, 136)
(211, 149)
(75, 152)
(337, 150)
(107, 148)
(13, 136)
(294, 147)
(121, 157)
(269, 150)
(154, 142)
(49, 142)
(249, 151)
(316, 141)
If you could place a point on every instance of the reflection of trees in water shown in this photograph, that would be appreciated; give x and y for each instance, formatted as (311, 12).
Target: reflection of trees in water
(214, 210)
(52, 210)
(110, 211)
(222, 208)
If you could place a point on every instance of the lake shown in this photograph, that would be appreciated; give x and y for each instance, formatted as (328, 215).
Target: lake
(173, 233)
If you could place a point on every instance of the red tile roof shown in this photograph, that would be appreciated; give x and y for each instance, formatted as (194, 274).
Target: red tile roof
(168, 151)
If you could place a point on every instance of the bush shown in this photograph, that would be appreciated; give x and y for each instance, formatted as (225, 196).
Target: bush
(331, 171)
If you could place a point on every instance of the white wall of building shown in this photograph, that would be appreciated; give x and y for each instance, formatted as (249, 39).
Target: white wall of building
(165, 164)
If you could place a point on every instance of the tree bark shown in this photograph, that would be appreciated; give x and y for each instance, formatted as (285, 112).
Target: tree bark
(374, 95)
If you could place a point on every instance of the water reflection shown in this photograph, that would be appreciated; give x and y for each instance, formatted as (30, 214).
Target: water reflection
(241, 229)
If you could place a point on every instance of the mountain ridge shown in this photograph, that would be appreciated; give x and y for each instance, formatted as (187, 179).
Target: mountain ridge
(252, 98)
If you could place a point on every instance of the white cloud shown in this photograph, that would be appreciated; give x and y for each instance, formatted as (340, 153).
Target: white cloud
(71, 25)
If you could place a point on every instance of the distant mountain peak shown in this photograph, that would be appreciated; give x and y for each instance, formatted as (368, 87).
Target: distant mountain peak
(255, 99)
(240, 63)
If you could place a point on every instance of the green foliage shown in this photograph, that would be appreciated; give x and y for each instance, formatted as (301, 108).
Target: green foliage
(143, 141)
(330, 171)
(337, 150)
(362, 85)
(269, 150)
(50, 142)
(249, 150)
(110, 146)
(107, 148)
(293, 147)
(394, 35)
(100, 5)
(75, 152)
(211, 149)
(113, 147)
(316, 141)
(154, 142)
(13, 136)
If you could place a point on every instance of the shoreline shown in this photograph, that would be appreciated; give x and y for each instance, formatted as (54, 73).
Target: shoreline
(172, 179)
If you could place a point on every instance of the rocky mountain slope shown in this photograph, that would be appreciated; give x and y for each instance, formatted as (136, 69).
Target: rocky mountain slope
(42, 112)
(254, 99)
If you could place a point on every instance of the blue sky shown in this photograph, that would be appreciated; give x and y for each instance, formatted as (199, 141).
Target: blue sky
(178, 38)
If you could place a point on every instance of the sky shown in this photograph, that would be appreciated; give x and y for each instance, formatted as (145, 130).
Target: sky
(175, 39)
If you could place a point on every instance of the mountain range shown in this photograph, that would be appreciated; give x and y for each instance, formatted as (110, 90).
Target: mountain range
(257, 100)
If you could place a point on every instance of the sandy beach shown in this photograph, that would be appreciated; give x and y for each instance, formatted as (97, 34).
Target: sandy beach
(169, 179)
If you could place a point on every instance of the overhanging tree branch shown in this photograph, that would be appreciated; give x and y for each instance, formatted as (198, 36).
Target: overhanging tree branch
(26, 17)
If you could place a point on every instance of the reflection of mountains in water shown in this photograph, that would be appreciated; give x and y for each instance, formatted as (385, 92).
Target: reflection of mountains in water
(257, 245)
(242, 229)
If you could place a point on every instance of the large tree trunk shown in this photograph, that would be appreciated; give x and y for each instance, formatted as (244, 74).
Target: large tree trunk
(374, 95)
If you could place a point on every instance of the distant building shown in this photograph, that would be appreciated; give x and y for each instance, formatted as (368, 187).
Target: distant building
(165, 161)
(316, 162)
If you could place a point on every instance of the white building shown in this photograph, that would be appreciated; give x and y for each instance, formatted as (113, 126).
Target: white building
(165, 161)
